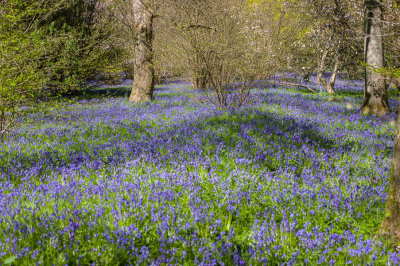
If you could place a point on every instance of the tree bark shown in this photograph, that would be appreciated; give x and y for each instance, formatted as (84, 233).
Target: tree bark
(375, 97)
(200, 83)
(396, 83)
(332, 80)
(321, 66)
(330, 86)
(390, 226)
(143, 76)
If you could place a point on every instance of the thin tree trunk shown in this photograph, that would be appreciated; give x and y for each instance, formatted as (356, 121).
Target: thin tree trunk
(200, 81)
(143, 77)
(396, 83)
(332, 80)
(375, 97)
(199, 76)
(390, 226)
(321, 67)
(330, 86)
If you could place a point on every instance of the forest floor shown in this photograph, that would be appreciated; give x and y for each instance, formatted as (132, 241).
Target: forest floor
(293, 178)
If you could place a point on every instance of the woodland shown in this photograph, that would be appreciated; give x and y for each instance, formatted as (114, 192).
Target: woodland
(199, 132)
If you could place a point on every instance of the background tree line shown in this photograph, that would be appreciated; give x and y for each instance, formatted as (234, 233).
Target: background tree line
(212, 43)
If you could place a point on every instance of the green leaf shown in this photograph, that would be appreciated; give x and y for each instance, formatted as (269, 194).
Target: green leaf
(10, 260)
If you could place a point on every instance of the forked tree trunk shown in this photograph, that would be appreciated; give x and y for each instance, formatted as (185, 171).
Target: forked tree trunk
(390, 226)
(330, 86)
(143, 77)
(332, 80)
(321, 67)
(375, 97)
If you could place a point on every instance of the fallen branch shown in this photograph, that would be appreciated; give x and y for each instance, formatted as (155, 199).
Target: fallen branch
(200, 27)
(299, 85)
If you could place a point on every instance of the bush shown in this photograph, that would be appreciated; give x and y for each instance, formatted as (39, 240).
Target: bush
(223, 48)
(54, 45)
(21, 47)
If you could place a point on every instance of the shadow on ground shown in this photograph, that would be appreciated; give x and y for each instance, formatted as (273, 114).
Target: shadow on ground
(138, 143)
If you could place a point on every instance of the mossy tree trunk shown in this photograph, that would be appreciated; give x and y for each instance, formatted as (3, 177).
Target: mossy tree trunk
(396, 83)
(375, 97)
(143, 77)
(390, 226)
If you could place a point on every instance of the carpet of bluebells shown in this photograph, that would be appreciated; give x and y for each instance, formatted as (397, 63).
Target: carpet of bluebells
(291, 178)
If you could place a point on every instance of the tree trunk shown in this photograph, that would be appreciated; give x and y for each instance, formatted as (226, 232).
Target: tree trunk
(332, 80)
(143, 77)
(201, 83)
(200, 80)
(390, 226)
(396, 83)
(321, 67)
(375, 97)
(330, 86)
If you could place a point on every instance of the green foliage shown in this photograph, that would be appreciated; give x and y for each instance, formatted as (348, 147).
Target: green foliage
(9, 260)
(21, 48)
(83, 43)
(49, 48)
(388, 72)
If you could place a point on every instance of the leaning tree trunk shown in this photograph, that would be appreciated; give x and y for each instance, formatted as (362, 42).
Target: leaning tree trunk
(390, 226)
(143, 76)
(375, 97)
